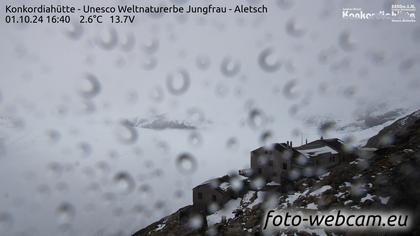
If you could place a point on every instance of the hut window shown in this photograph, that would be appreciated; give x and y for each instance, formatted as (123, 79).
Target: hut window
(270, 163)
(214, 198)
(259, 171)
(200, 195)
(284, 166)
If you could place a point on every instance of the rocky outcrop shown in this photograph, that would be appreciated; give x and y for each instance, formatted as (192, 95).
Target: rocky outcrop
(393, 133)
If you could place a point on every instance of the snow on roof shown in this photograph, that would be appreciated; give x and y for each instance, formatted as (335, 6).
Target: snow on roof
(224, 186)
(317, 151)
(240, 177)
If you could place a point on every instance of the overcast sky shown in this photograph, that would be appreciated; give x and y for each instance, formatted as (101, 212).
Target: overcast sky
(106, 128)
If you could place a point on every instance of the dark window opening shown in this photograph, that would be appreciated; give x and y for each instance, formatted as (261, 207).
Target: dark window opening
(200, 195)
(270, 163)
(213, 198)
(284, 166)
(259, 171)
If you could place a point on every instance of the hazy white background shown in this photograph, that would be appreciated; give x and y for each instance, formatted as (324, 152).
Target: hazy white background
(72, 164)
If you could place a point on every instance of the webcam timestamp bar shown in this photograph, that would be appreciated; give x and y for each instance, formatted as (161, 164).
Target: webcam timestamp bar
(66, 19)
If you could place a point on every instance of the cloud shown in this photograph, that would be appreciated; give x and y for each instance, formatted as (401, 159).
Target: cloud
(160, 122)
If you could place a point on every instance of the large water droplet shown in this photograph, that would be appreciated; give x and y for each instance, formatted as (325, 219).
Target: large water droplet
(268, 60)
(91, 87)
(256, 118)
(124, 182)
(196, 221)
(178, 83)
(126, 133)
(108, 41)
(186, 163)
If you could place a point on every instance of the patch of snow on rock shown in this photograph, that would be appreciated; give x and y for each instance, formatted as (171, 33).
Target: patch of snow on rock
(366, 198)
(320, 190)
(384, 200)
(226, 211)
(312, 206)
(160, 227)
(258, 200)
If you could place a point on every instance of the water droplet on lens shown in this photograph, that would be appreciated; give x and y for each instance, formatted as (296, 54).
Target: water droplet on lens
(65, 213)
(203, 62)
(230, 67)
(258, 183)
(195, 139)
(285, 4)
(288, 89)
(124, 182)
(345, 42)
(237, 184)
(108, 41)
(92, 86)
(407, 64)
(156, 94)
(195, 115)
(326, 127)
(126, 133)
(6, 221)
(129, 42)
(145, 191)
(293, 29)
(149, 63)
(266, 137)
(85, 148)
(196, 221)
(268, 61)
(232, 143)
(53, 135)
(151, 45)
(186, 163)
(178, 83)
(256, 118)
(75, 32)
